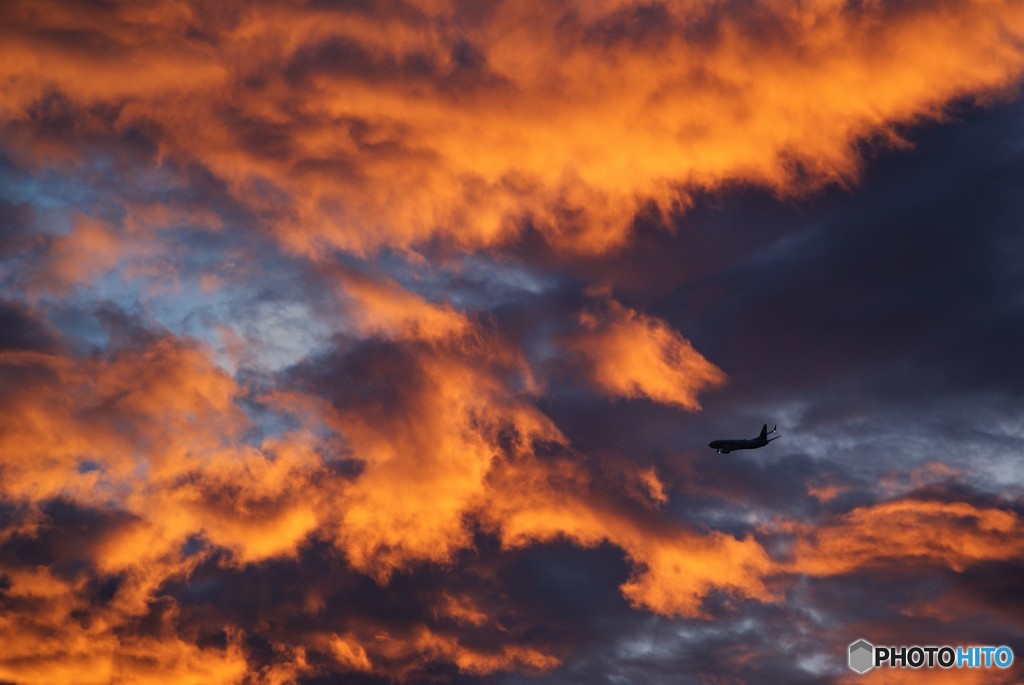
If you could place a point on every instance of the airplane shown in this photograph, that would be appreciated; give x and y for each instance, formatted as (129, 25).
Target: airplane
(726, 446)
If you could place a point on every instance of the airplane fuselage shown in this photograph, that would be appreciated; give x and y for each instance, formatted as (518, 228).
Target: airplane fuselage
(726, 446)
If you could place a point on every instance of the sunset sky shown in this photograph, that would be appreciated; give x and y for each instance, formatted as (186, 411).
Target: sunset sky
(382, 342)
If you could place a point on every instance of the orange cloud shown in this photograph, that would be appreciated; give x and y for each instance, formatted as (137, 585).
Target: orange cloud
(87, 251)
(258, 504)
(826, 492)
(427, 450)
(166, 403)
(953, 534)
(462, 609)
(382, 307)
(350, 654)
(158, 426)
(46, 642)
(395, 652)
(633, 355)
(655, 487)
(355, 131)
(153, 433)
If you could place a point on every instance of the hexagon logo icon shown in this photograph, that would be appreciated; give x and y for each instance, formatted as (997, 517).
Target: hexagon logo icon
(862, 656)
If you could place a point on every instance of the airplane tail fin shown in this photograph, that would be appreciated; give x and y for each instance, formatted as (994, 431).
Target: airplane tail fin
(764, 431)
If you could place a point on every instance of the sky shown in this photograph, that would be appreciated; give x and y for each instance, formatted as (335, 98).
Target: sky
(382, 342)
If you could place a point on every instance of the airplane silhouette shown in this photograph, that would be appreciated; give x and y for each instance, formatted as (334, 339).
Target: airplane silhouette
(726, 446)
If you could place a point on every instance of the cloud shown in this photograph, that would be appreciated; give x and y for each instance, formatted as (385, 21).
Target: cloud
(632, 355)
(951, 534)
(22, 329)
(399, 656)
(65, 619)
(165, 400)
(87, 251)
(426, 422)
(383, 307)
(356, 129)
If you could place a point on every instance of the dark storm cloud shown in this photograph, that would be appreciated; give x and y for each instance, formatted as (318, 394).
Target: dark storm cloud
(918, 269)
(64, 539)
(994, 587)
(21, 329)
(15, 220)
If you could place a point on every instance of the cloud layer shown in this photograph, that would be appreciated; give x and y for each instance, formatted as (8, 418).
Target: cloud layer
(359, 128)
(382, 342)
